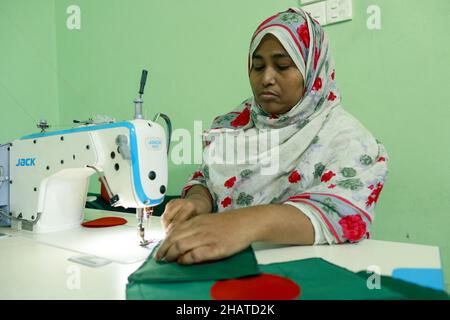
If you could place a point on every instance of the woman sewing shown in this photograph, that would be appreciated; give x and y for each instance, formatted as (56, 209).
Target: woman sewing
(330, 169)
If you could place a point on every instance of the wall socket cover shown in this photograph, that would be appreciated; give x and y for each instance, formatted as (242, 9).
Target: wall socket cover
(308, 1)
(318, 11)
(330, 11)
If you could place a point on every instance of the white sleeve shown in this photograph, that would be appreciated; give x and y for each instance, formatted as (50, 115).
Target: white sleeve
(319, 237)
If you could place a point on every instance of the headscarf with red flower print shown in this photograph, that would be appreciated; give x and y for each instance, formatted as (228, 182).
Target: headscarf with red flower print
(329, 165)
(309, 47)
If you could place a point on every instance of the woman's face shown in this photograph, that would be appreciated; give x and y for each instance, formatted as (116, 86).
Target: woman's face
(276, 82)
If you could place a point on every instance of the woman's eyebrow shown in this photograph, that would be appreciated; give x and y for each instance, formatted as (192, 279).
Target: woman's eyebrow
(257, 56)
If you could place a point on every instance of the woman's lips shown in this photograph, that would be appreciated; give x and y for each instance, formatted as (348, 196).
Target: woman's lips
(268, 95)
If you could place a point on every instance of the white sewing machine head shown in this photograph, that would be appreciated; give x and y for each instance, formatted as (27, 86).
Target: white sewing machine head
(49, 171)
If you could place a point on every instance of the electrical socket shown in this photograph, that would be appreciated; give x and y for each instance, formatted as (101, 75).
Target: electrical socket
(330, 11)
(308, 1)
(318, 11)
(339, 10)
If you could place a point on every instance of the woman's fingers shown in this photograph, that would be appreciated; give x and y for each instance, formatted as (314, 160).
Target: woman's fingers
(182, 215)
(171, 210)
(197, 240)
(183, 245)
(200, 254)
(177, 211)
(174, 236)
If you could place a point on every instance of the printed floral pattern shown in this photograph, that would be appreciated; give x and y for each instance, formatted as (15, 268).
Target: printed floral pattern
(348, 172)
(332, 96)
(352, 184)
(373, 197)
(290, 18)
(206, 172)
(294, 177)
(339, 187)
(329, 205)
(244, 199)
(197, 174)
(366, 160)
(317, 84)
(246, 173)
(319, 168)
(327, 176)
(226, 202)
(242, 119)
(303, 34)
(230, 182)
(353, 227)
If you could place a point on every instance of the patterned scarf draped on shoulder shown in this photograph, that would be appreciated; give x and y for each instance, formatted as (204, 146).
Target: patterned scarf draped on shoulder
(316, 157)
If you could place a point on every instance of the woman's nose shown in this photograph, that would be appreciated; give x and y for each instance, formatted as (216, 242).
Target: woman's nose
(268, 77)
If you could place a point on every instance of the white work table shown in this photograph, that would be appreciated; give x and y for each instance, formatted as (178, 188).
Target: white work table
(32, 270)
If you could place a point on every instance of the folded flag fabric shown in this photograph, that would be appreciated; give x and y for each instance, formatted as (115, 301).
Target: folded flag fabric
(239, 265)
(316, 278)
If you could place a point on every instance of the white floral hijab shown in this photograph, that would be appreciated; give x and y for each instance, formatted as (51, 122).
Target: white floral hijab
(316, 156)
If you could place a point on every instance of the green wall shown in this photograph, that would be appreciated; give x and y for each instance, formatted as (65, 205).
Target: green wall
(395, 80)
(28, 67)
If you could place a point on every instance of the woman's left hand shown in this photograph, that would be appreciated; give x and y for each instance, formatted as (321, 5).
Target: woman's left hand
(206, 237)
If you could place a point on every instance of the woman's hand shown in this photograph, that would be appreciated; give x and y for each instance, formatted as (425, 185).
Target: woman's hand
(198, 201)
(206, 237)
(179, 210)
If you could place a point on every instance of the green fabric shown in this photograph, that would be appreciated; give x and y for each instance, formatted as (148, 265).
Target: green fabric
(410, 290)
(199, 290)
(317, 278)
(239, 265)
(320, 279)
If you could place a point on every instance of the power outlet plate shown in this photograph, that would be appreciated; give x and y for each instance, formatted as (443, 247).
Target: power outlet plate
(308, 1)
(330, 11)
(339, 10)
(318, 11)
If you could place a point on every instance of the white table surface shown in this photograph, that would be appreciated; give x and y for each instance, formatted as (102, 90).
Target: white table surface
(31, 270)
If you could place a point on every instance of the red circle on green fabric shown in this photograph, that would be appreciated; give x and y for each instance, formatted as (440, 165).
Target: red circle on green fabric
(104, 222)
(262, 287)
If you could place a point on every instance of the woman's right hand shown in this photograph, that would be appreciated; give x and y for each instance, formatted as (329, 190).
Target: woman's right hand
(179, 210)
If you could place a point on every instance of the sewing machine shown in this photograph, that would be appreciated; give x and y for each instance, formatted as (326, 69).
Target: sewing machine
(44, 177)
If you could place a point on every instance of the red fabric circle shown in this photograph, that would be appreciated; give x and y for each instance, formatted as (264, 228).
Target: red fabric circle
(262, 287)
(104, 222)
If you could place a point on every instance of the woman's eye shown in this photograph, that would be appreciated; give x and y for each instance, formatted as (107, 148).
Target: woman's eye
(279, 68)
(282, 68)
